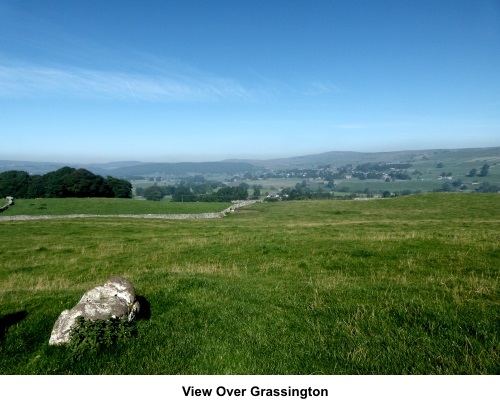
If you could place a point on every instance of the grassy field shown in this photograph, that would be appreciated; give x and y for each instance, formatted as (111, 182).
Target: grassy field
(107, 206)
(392, 286)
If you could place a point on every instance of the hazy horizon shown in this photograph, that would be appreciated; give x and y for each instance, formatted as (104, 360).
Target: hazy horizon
(208, 81)
(257, 158)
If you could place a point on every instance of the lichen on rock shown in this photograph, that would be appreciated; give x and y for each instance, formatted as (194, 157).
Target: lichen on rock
(115, 299)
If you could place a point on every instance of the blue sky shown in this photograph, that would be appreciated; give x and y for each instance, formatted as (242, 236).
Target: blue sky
(97, 81)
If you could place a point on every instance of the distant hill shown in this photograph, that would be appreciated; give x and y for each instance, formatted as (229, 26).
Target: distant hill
(234, 166)
(178, 169)
(30, 167)
(343, 158)
(127, 169)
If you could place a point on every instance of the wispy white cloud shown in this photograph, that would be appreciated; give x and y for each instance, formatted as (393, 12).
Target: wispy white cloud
(317, 88)
(42, 81)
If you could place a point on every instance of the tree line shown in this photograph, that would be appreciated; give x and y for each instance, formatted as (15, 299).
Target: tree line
(481, 173)
(188, 193)
(64, 182)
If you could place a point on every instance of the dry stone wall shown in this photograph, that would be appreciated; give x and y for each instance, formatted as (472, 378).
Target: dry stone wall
(208, 215)
(10, 201)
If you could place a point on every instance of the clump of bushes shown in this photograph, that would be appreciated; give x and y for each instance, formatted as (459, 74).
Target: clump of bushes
(87, 336)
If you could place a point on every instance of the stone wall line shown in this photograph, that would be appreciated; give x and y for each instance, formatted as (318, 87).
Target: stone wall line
(10, 201)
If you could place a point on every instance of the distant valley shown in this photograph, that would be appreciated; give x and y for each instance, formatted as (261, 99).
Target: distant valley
(449, 157)
(321, 176)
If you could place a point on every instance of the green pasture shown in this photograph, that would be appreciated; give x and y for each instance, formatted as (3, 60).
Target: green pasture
(406, 285)
(107, 206)
(379, 186)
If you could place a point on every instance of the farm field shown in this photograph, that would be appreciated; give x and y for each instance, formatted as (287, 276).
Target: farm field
(107, 206)
(406, 285)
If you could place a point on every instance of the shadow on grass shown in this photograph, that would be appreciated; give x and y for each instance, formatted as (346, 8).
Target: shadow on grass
(11, 319)
(145, 309)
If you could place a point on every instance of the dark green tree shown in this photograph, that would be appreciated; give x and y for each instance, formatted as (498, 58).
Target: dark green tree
(54, 182)
(228, 194)
(244, 186)
(472, 173)
(256, 191)
(83, 183)
(119, 188)
(36, 188)
(65, 182)
(484, 170)
(153, 193)
(14, 183)
(203, 188)
(487, 187)
(183, 194)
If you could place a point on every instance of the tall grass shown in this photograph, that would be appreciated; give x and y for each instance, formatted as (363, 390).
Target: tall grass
(398, 286)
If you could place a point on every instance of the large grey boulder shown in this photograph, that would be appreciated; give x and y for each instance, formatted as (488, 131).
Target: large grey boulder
(115, 299)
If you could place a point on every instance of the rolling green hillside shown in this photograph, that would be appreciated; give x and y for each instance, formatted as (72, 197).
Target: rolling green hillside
(388, 286)
(431, 157)
(451, 157)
